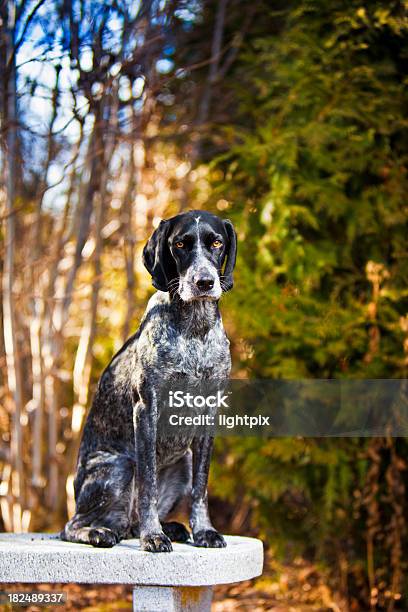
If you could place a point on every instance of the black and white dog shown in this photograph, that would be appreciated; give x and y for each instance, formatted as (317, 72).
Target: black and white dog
(129, 478)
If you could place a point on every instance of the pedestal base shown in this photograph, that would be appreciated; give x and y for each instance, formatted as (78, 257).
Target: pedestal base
(171, 599)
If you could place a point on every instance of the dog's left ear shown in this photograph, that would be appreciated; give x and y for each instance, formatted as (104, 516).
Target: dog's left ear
(231, 255)
(157, 257)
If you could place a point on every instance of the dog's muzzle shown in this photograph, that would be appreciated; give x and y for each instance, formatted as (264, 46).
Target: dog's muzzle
(200, 283)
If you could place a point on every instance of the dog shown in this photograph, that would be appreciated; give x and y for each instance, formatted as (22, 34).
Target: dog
(130, 478)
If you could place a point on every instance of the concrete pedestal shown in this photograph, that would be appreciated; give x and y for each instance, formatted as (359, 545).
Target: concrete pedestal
(163, 582)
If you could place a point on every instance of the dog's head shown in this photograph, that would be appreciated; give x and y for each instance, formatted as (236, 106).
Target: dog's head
(186, 255)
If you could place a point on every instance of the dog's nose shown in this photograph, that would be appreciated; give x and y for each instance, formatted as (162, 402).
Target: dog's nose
(205, 284)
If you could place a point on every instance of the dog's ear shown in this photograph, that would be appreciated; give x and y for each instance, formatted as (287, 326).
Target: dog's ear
(157, 257)
(231, 255)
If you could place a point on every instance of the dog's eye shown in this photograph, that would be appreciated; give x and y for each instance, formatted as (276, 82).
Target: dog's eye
(217, 244)
(179, 244)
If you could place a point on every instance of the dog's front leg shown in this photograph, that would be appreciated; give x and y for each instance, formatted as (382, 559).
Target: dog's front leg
(152, 537)
(204, 533)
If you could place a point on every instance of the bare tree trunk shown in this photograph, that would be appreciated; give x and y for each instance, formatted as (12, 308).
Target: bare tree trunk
(37, 393)
(9, 319)
(129, 241)
(206, 96)
(204, 108)
(38, 306)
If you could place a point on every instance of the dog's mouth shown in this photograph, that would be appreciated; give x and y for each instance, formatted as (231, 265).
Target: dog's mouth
(206, 297)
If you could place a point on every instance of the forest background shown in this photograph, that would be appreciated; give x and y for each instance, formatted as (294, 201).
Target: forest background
(286, 117)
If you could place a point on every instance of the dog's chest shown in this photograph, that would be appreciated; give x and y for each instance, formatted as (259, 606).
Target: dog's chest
(198, 358)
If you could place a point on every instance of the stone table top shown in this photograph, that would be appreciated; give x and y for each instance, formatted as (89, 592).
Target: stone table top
(36, 557)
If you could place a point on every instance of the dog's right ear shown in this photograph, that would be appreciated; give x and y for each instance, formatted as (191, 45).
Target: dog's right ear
(157, 257)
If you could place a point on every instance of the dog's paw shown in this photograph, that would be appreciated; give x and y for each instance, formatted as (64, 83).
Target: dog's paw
(209, 538)
(155, 542)
(176, 532)
(102, 537)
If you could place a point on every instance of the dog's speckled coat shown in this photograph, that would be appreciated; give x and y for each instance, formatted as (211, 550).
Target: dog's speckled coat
(129, 476)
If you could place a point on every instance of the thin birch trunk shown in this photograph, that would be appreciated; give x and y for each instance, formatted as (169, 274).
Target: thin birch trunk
(14, 380)
(43, 384)
(38, 305)
(37, 394)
